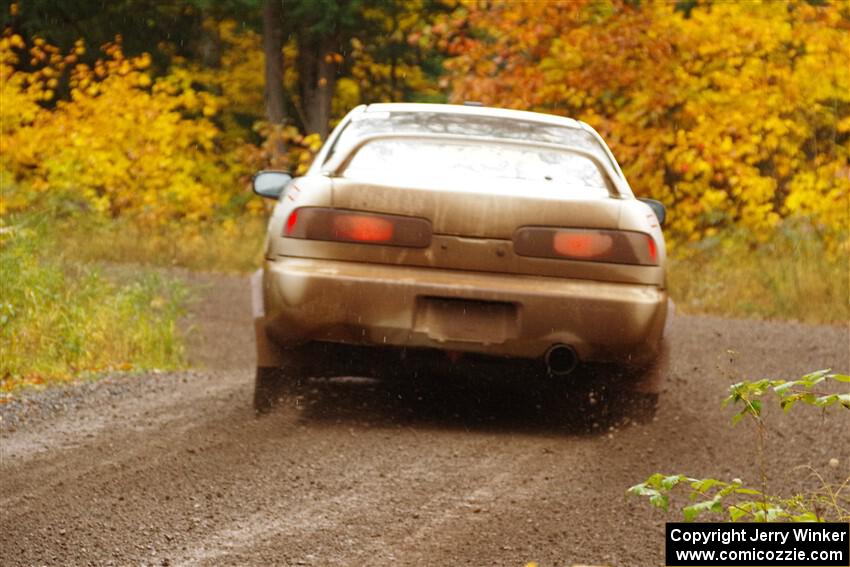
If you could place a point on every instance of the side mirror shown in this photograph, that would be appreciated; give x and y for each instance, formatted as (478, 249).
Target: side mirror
(657, 208)
(270, 184)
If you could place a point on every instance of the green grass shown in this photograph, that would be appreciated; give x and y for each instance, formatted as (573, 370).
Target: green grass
(792, 276)
(60, 319)
(233, 245)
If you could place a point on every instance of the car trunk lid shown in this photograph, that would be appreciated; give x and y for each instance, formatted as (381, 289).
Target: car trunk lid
(492, 209)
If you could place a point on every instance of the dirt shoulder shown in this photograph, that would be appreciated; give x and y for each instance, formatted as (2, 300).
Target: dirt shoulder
(175, 468)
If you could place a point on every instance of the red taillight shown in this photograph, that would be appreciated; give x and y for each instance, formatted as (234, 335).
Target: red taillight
(652, 248)
(363, 228)
(581, 245)
(291, 222)
(593, 245)
(319, 223)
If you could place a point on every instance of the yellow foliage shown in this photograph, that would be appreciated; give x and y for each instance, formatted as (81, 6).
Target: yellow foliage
(299, 149)
(397, 78)
(123, 144)
(239, 78)
(734, 114)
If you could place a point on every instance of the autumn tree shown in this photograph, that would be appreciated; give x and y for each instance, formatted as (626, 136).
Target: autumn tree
(391, 59)
(731, 113)
(359, 52)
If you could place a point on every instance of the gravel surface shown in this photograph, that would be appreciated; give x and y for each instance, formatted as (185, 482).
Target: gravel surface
(175, 468)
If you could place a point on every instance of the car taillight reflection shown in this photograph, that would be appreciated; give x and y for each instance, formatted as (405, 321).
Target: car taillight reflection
(320, 223)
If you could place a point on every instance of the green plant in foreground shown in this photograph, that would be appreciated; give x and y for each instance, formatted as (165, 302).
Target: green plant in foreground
(738, 502)
(789, 392)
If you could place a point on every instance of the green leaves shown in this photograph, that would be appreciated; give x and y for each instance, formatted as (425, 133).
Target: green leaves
(656, 488)
(790, 392)
(714, 505)
(732, 500)
(736, 513)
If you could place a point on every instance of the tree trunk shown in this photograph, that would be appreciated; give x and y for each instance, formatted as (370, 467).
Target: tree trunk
(316, 78)
(272, 48)
(394, 58)
(210, 46)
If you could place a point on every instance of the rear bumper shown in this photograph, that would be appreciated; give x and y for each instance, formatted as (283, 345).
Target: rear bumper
(307, 300)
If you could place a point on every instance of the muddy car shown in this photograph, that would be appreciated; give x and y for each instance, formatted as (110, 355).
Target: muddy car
(427, 234)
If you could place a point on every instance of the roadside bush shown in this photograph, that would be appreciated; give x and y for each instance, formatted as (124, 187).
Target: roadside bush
(60, 319)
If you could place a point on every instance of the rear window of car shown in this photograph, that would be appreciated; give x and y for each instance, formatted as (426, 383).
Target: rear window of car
(380, 122)
(430, 158)
(373, 123)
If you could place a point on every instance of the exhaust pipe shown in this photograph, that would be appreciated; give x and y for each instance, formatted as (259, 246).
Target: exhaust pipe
(561, 359)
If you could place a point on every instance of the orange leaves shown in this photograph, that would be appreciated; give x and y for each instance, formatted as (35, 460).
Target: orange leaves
(736, 114)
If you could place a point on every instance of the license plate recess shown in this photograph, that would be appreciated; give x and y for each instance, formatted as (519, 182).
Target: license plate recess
(466, 320)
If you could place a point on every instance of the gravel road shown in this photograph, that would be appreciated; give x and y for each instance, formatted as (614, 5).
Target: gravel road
(175, 468)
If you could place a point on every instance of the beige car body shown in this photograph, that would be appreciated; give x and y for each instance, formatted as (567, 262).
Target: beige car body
(468, 291)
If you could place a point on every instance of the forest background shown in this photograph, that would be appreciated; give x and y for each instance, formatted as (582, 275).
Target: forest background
(130, 131)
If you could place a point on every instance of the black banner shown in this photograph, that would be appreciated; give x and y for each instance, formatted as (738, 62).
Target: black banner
(758, 545)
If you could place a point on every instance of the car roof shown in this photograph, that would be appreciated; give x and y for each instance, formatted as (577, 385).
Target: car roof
(476, 110)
